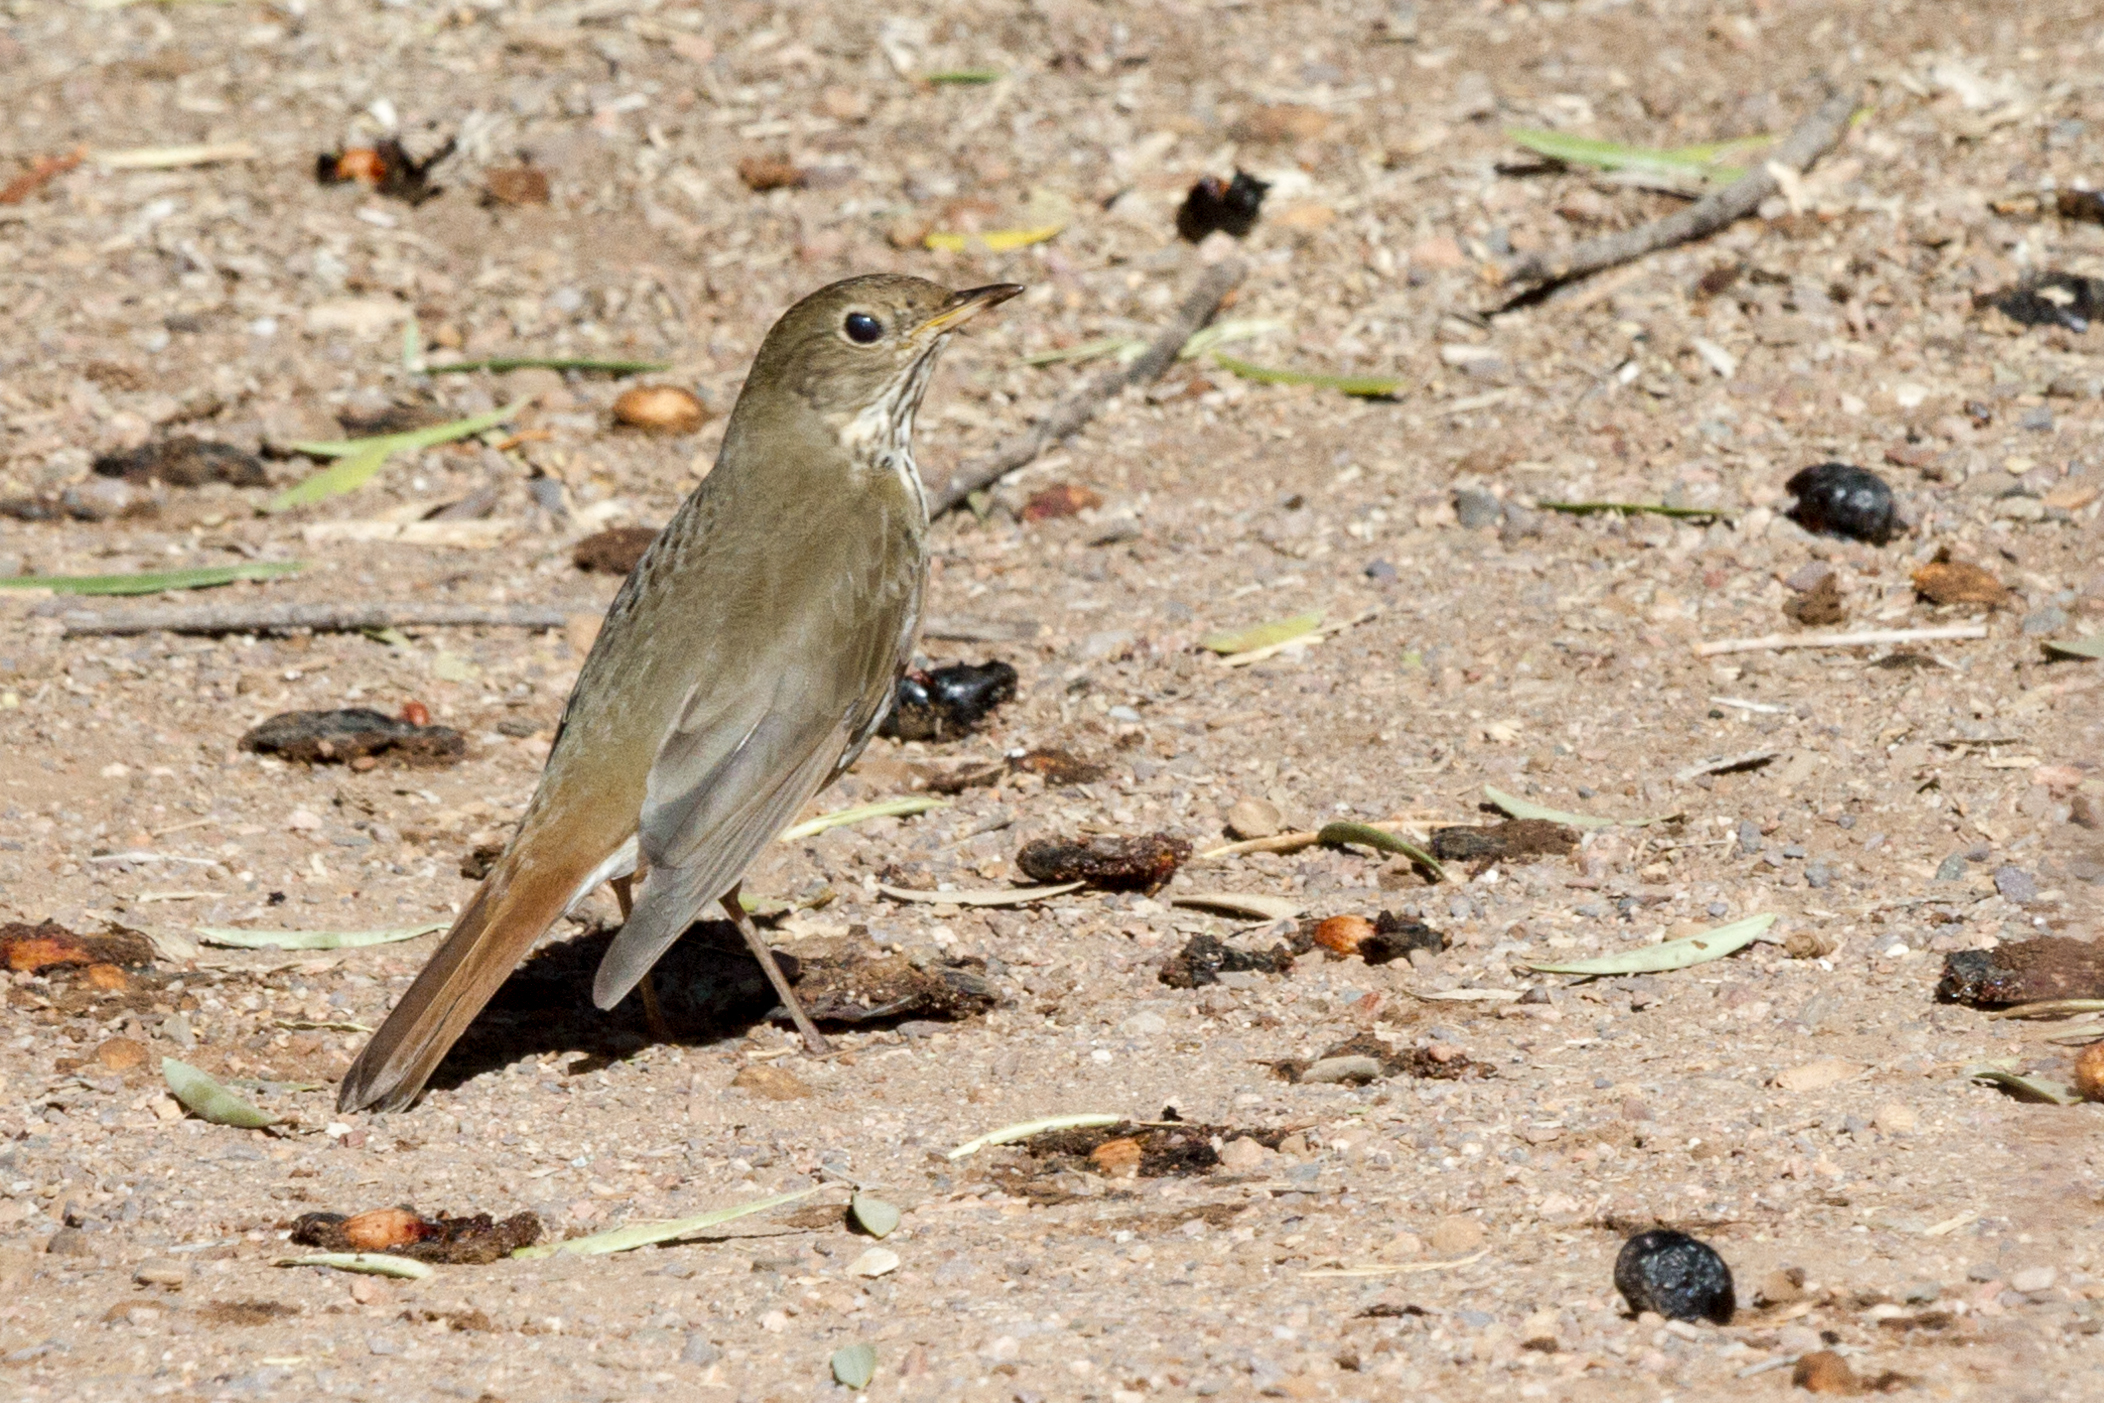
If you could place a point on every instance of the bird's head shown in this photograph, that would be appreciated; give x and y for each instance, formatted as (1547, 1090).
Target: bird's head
(859, 352)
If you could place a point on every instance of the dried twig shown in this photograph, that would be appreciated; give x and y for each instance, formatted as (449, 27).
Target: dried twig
(321, 618)
(1814, 137)
(1776, 642)
(1068, 416)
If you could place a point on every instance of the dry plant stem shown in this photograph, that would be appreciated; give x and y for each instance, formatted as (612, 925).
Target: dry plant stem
(814, 1041)
(1070, 414)
(285, 618)
(1777, 642)
(1814, 137)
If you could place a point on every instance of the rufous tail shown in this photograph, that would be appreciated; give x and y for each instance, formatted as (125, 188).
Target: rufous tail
(514, 907)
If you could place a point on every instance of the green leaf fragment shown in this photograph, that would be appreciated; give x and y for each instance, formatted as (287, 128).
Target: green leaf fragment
(2090, 647)
(855, 1365)
(1023, 1130)
(235, 938)
(208, 1100)
(1672, 954)
(2038, 1090)
(875, 1217)
(1367, 836)
(1637, 509)
(155, 581)
(1370, 386)
(634, 1235)
(861, 813)
(1248, 640)
(364, 1263)
(964, 77)
(360, 458)
(1520, 808)
(1703, 162)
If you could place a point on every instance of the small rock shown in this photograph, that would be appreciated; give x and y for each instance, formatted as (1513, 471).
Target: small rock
(1815, 1076)
(1118, 1159)
(1334, 1070)
(1254, 818)
(120, 1054)
(1474, 507)
(1824, 1372)
(764, 1079)
(72, 1242)
(2040, 623)
(2031, 1279)
(1673, 1275)
(1781, 1288)
(1243, 1154)
(699, 1351)
(1951, 869)
(613, 551)
(1898, 1118)
(877, 1261)
(1454, 1235)
(2015, 884)
(161, 1271)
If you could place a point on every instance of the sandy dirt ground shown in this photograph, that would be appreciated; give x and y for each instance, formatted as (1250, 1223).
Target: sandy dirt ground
(1804, 1106)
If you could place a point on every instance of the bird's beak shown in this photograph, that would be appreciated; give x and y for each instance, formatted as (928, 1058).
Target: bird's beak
(963, 305)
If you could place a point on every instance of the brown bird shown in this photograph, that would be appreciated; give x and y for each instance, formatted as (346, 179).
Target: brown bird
(744, 664)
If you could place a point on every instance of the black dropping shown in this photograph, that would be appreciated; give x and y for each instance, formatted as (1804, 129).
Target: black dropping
(2052, 299)
(1835, 499)
(1394, 937)
(1221, 204)
(1671, 1274)
(948, 702)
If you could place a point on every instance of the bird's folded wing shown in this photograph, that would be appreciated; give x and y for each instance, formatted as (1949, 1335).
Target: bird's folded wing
(743, 759)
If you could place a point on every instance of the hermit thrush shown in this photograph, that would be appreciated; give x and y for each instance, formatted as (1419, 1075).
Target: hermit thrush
(744, 664)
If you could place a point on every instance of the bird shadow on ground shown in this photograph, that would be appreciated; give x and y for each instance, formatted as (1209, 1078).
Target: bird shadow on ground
(708, 985)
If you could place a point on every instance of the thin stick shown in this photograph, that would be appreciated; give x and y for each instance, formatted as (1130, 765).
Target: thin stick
(1070, 414)
(814, 1041)
(285, 618)
(1816, 135)
(1876, 637)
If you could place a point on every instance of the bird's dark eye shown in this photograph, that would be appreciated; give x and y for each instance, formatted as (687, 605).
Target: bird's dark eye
(862, 328)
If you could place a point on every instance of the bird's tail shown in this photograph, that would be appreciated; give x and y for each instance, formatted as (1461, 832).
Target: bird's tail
(522, 897)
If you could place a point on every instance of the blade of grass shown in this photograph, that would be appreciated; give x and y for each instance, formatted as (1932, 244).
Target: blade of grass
(883, 808)
(427, 437)
(994, 240)
(2090, 647)
(1023, 1130)
(2038, 1090)
(634, 1235)
(500, 364)
(1704, 162)
(360, 459)
(1380, 839)
(1637, 509)
(990, 896)
(155, 581)
(1265, 635)
(1088, 350)
(365, 1263)
(1367, 386)
(208, 1100)
(963, 77)
(1673, 954)
(234, 938)
(1208, 338)
(2050, 1008)
(1520, 808)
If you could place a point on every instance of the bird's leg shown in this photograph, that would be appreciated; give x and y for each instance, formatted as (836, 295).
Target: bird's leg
(814, 1041)
(653, 1014)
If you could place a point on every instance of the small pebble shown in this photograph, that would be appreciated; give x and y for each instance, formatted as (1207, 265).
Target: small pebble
(2033, 1279)
(1671, 1274)
(1474, 507)
(161, 1271)
(1824, 1372)
(1951, 869)
(1254, 818)
(2015, 884)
